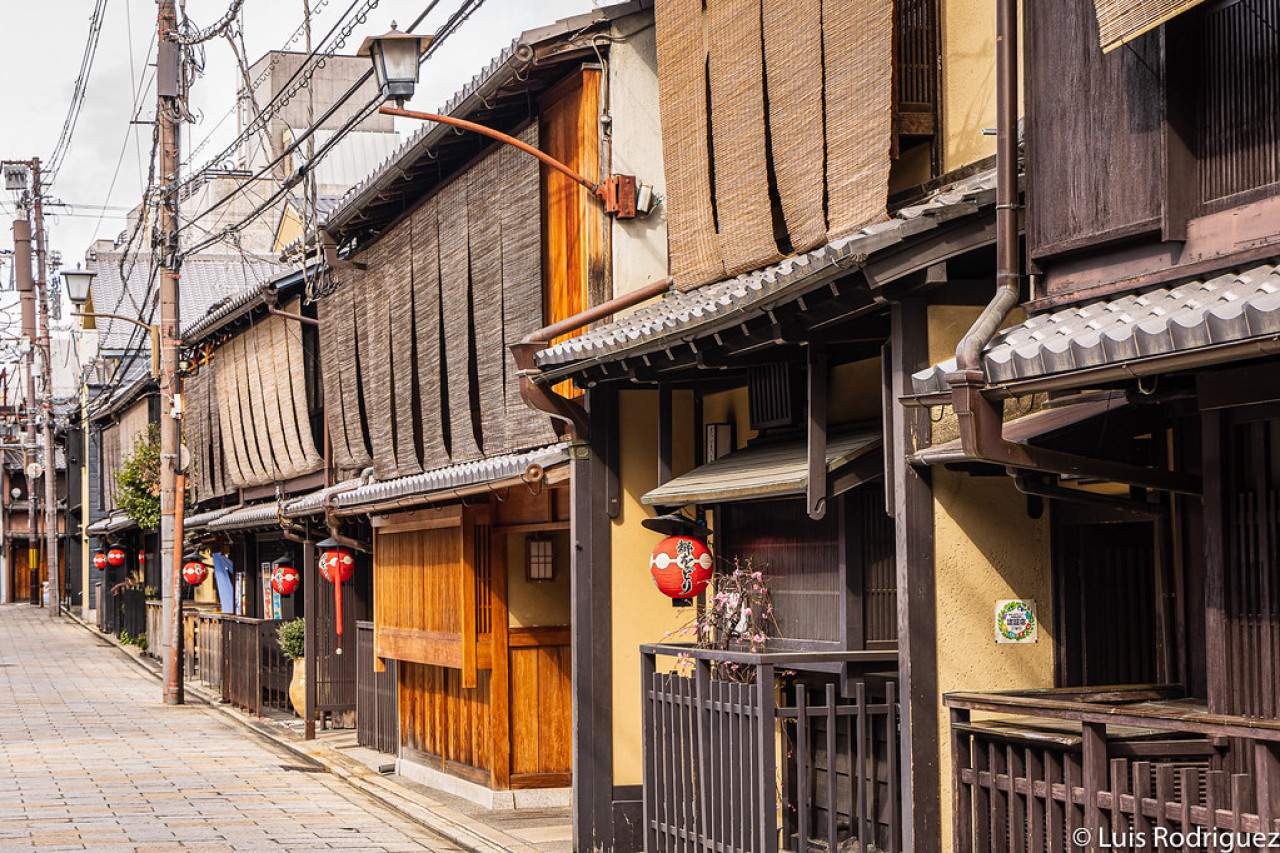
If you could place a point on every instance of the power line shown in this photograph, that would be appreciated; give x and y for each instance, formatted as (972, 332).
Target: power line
(78, 94)
(464, 12)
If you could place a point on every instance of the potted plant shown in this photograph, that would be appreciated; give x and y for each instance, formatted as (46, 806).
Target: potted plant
(293, 643)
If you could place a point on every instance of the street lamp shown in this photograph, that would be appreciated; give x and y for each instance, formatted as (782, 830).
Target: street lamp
(395, 64)
(78, 282)
(395, 61)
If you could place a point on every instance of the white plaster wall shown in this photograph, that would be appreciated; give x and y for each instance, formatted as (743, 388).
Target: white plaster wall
(639, 250)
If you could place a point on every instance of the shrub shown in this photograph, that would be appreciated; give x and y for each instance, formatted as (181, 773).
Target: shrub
(292, 639)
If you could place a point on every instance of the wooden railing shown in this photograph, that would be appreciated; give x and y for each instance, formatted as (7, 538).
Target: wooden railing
(377, 721)
(209, 648)
(155, 617)
(714, 751)
(255, 672)
(1109, 768)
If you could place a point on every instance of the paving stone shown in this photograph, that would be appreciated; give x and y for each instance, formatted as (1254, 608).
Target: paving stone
(90, 758)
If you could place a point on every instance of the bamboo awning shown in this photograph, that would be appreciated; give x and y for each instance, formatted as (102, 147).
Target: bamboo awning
(1121, 21)
(771, 471)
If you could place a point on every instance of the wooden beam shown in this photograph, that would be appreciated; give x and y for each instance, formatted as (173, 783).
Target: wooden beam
(906, 430)
(816, 489)
(592, 627)
(499, 683)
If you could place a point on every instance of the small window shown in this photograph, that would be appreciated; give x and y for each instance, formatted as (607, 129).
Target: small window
(540, 563)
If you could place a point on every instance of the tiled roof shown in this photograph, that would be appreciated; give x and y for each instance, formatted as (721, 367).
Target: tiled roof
(1227, 309)
(443, 481)
(264, 514)
(679, 316)
(207, 280)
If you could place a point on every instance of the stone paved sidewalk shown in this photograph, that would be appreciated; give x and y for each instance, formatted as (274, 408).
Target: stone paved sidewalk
(91, 759)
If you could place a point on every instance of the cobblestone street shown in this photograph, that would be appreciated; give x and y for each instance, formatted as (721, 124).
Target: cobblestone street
(91, 759)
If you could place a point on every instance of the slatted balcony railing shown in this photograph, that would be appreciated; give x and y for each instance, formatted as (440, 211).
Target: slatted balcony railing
(715, 751)
(1108, 768)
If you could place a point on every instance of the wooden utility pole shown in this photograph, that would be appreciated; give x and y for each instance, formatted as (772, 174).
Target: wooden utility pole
(52, 573)
(27, 294)
(169, 89)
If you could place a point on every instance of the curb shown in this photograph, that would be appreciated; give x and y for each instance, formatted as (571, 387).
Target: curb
(450, 825)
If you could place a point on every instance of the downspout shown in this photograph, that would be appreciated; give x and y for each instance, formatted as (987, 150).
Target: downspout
(981, 421)
(334, 523)
(534, 388)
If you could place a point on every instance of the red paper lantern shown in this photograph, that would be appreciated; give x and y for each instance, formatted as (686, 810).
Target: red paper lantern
(99, 560)
(285, 579)
(194, 572)
(681, 566)
(337, 565)
(115, 557)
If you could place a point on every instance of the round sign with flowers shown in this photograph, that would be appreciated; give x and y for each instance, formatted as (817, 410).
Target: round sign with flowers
(1016, 621)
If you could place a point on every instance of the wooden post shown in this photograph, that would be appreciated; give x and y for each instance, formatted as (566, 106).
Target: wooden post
(499, 681)
(467, 598)
(310, 608)
(816, 488)
(1094, 748)
(962, 797)
(906, 430)
(592, 627)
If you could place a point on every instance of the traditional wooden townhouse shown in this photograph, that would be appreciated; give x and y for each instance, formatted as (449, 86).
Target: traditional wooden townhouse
(451, 493)
(1121, 440)
(122, 571)
(830, 197)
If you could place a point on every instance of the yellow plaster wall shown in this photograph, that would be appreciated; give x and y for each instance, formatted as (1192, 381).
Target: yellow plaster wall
(969, 80)
(854, 392)
(986, 550)
(730, 407)
(641, 614)
(537, 603)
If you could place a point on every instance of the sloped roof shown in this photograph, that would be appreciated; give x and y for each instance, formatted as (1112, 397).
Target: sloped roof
(1198, 315)
(703, 310)
(207, 279)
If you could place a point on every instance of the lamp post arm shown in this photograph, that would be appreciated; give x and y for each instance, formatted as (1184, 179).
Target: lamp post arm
(498, 135)
(94, 315)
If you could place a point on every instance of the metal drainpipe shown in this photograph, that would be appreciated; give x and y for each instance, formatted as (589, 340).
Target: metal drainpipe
(334, 523)
(969, 377)
(535, 391)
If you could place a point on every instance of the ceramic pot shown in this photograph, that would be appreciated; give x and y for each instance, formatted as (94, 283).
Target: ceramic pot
(298, 687)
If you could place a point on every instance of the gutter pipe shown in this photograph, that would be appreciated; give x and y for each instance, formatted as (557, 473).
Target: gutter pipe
(535, 388)
(981, 421)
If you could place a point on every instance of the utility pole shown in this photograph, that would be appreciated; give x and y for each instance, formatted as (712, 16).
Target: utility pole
(27, 294)
(169, 89)
(52, 564)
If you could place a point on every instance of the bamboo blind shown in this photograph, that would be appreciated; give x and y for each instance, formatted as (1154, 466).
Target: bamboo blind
(417, 362)
(260, 377)
(827, 110)
(1121, 21)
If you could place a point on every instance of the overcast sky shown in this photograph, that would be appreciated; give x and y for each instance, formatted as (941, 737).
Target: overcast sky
(41, 44)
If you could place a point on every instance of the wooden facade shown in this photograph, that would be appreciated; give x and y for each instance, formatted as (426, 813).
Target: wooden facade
(1171, 170)
(479, 697)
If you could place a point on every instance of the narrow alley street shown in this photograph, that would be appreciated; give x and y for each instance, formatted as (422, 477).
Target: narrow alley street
(90, 759)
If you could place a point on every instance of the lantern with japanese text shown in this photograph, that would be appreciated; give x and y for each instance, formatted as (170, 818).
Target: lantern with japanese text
(285, 578)
(194, 570)
(99, 560)
(681, 566)
(337, 565)
(115, 557)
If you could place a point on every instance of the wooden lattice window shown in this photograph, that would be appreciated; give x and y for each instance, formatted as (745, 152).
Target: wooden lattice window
(915, 83)
(1239, 132)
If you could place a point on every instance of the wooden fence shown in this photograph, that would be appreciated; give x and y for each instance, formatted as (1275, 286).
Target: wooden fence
(133, 612)
(714, 751)
(255, 672)
(155, 618)
(1070, 781)
(209, 648)
(377, 719)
